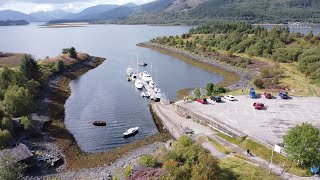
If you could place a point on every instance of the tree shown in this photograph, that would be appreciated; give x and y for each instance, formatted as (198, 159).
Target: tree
(5, 137)
(302, 144)
(209, 88)
(9, 168)
(26, 123)
(6, 124)
(17, 101)
(72, 53)
(30, 68)
(65, 51)
(206, 168)
(197, 92)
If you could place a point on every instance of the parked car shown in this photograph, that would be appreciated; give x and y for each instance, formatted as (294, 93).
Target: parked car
(229, 97)
(252, 93)
(267, 95)
(203, 101)
(216, 98)
(283, 95)
(258, 105)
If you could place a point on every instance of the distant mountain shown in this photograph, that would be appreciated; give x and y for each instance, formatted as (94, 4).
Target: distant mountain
(197, 11)
(91, 11)
(14, 15)
(49, 15)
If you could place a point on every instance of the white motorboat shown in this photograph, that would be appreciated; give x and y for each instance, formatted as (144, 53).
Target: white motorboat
(138, 84)
(152, 84)
(131, 131)
(129, 71)
(145, 76)
(157, 90)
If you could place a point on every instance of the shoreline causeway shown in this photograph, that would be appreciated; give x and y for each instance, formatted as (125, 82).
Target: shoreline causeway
(234, 78)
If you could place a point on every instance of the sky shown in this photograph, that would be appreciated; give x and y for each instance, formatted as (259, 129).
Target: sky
(29, 6)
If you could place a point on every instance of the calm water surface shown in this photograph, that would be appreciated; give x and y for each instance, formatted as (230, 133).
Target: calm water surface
(104, 93)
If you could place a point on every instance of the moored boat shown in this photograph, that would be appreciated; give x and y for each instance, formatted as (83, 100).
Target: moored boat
(142, 64)
(157, 90)
(138, 84)
(152, 84)
(99, 123)
(131, 131)
(129, 71)
(145, 76)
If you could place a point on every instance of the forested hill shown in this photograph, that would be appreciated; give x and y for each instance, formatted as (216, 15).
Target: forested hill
(258, 10)
(254, 11)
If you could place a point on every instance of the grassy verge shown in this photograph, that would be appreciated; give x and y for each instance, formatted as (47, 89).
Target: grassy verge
(265, 153)
(75, 157)
(229, 77)
(235, 168)
(221, 148)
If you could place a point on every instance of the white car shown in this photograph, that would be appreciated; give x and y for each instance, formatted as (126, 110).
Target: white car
(229, 97)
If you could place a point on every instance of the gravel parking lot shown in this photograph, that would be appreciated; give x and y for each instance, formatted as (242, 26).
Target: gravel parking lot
(268, 124)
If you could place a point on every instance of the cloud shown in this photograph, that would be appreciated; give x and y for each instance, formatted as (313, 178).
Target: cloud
(29, 6)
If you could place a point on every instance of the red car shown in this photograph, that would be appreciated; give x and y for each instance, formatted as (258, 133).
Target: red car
(267, 95)
(258, 105)
(203, 101)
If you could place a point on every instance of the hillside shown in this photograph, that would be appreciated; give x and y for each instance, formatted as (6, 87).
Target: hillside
(92, 11)
(49, 15)
(197, 11)
(14, 15)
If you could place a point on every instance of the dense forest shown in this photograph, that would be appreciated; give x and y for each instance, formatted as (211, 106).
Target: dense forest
(277, 44)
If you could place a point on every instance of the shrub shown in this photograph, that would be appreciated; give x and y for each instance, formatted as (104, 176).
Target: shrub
(6, 124)
(26, 123)
(259, 83)
(127, 171)
(5, 137)
(59, 66)
(148, 161)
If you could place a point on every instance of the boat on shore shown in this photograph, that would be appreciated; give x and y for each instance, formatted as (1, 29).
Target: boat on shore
(145, 94)
(131, 132)
(138, 84)
(99, 123)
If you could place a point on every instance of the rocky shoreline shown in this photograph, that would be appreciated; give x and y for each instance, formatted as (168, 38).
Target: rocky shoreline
(245, 76)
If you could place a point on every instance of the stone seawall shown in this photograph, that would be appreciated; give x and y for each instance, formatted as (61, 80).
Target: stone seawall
(208, 121)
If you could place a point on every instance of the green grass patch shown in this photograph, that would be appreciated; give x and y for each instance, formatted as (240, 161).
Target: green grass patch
(265, 153)
(221, 148)
(234, 168)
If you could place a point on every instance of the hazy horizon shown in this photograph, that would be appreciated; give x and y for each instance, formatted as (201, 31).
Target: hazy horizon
(73, 6)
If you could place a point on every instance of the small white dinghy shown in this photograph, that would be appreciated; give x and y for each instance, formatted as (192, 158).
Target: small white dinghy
(157, 90)
(152, 84)
(143, 94)
(131, 131)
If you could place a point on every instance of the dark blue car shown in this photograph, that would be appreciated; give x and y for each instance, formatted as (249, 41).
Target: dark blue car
(283, 95)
